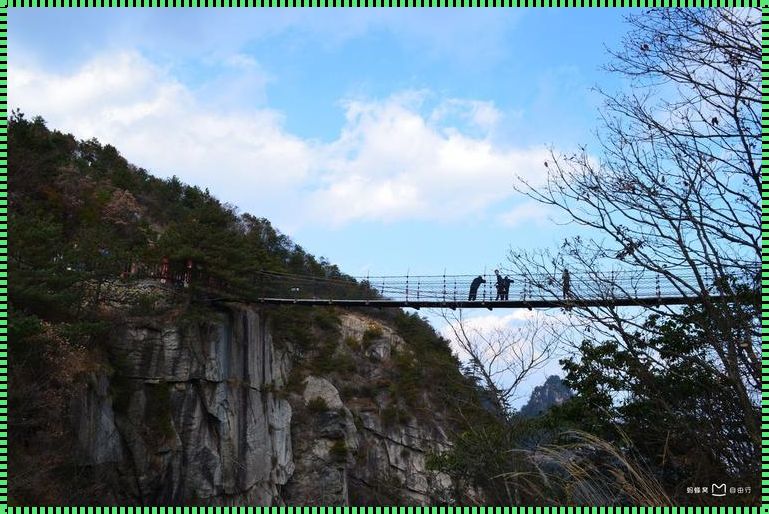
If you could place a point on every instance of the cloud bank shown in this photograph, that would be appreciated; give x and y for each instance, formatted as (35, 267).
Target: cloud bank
(410, 156)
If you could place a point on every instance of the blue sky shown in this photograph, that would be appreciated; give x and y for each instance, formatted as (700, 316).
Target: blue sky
(385, 140)
(296, 75)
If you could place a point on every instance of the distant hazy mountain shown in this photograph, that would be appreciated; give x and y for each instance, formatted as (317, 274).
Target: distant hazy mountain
(552, 392)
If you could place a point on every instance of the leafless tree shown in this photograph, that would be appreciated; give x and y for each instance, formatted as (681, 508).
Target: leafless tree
(502, 358)
(675, 193)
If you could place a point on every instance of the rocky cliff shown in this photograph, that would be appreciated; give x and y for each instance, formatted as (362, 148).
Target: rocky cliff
(354, 441)
(552, 392)
(212, 409)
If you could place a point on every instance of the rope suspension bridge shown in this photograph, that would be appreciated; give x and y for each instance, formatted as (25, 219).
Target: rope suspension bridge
(581, 289)
(594, 289)
(586, 289)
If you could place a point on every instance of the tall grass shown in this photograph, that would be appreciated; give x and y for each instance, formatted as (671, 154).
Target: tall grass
(587, 470)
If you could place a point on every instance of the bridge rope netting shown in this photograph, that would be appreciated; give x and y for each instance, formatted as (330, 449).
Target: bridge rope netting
(620, 286)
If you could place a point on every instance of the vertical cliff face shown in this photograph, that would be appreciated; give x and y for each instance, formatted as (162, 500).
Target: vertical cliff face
(354, 443)
(191, 413)
(209, 411)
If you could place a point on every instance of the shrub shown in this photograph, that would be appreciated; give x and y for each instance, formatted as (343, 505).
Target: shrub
(270, 388)
(291, 325)
(392, 414)
(372, 332)
(324, 361)
(317, 404)
(295, 382)
(327, 320)
(144, 304)
(338, 450)
(352, 343)
(408, 379)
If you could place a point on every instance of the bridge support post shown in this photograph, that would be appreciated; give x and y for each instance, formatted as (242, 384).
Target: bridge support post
(444, 285)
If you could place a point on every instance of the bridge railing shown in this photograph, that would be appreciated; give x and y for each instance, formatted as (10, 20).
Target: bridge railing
(446, 288)
(622, 284)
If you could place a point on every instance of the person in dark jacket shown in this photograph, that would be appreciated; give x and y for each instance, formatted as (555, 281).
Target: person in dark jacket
(474, 285)
(506, 287)
(500, 286)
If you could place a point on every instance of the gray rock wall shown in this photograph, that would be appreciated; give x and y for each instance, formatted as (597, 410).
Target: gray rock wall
(384, 462)
(199, 413)
(191, 413)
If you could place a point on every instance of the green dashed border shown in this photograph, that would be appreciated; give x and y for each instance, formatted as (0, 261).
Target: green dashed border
(4, 4)
(3, 257)
(384, 3)
(764, 258)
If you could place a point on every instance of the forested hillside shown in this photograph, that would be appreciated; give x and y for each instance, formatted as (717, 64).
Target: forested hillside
(92, 240)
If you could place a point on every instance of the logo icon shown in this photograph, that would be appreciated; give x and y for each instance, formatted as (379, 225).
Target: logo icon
(718, 490)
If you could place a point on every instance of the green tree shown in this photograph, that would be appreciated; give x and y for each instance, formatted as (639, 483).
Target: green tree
(660, 395)
(674, 193)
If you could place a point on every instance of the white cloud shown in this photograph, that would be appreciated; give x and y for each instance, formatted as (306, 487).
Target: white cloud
(488, 323)
(409, 156)
(393, 161)
(530, 211)
(479, 114)
(158, 123)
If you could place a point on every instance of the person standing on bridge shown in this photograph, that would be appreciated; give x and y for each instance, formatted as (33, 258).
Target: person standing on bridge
(500, 286)
(566, 280)
(506, 287)
(474, 285)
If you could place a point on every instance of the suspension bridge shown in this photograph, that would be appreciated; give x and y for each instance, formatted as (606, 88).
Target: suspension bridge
(583, 289)
(590, 289)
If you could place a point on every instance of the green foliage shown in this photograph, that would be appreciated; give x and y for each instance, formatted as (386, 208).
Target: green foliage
(22, 329)
(661, 395)
(358, 421)
(371, 333)
(323, 360)
(326, 319)
(387, 490)
(317, 404)
(427, 359)
(270, 388)
(393, 415)
(81, 332)
(352, 343)
(409, 379)
(144, 304)
(339, 451)
(82, 218)
(295, 382)
(85, 219)
(292, 325)
(366, 391)
(82, 214)
(488, 455)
